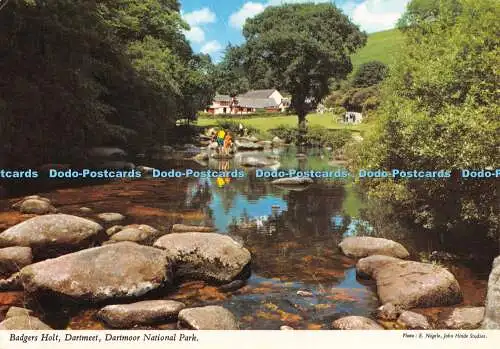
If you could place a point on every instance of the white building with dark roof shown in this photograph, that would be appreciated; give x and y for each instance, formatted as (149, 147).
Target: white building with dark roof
(249, 102)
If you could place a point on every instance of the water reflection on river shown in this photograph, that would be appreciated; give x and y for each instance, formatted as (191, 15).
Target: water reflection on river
(292, 235)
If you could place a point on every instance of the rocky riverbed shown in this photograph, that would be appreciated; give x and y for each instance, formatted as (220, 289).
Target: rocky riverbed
(168, 254)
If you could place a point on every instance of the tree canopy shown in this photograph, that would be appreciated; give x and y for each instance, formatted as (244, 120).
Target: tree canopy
(298, 48)
(369, 74)
(94, 72)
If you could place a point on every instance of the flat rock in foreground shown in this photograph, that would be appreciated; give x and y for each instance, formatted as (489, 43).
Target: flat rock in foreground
(23, 323)
(124, 269)
(140, 313)
(408, 284)
(207, 318)
(466, 318)
(52, 235)
(364, 246)
(356, 323)
(413, 321)
(205, 256)
(491, 319)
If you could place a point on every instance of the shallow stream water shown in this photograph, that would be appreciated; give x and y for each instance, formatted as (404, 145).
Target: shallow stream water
(292, 235)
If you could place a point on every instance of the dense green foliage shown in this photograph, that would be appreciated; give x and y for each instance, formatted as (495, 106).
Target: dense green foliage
(317, 136)
(230, 76)
(440, 111)
(297, 48)
(81, 73)
(369, 74)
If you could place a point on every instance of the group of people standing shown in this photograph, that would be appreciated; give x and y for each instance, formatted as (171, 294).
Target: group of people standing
(224, 141)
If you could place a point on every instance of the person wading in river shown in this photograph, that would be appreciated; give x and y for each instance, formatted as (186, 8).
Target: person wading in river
(228, 143)
(220, 140)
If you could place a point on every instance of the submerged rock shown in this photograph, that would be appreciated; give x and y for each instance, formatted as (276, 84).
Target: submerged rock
(257, 161)
(467, 318)
(388, 312)
(142, 234)
(413, 321)
(278, 141)
(140, 313)
(111, 217)
(12, 259)
(36, 206)
(52, 235)
(293, 181)
(408, 284)
(206, 256)
(18, 204)
(182, 228)
(207, 318)
(124, 269)
(246, 145)
(356, 323)
(114, 229)
(364, 246)
(107, 152)
(23, 323)
(232, 286)
(491, 319)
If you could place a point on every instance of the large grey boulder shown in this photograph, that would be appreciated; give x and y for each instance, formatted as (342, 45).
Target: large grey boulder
(408, 284)
(12, 259)
(140, 313)
(124, 269)
(53, 235)
(257, 161)
(206, 256)
(364, 246)
(23, 323)
(467, 318)
(491, 319)
(246, 145)
(207, 318)
(356, 323)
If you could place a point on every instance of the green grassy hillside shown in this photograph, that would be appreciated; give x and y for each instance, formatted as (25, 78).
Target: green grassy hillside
(381, 46)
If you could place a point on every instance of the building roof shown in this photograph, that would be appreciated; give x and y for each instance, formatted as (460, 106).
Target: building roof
(222, 98)
(257, 94)
(257, 103)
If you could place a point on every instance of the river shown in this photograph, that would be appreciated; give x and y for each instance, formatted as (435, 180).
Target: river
(292, 235)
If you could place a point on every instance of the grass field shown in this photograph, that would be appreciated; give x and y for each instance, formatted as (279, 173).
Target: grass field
(382, 46)
(264, 124)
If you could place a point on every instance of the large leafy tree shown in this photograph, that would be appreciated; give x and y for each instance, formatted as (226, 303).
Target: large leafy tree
(82, 73)
(299, 48)
(230, 76)
(441, 112)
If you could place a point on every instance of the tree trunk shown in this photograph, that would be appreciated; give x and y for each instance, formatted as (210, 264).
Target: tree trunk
(302, 126)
